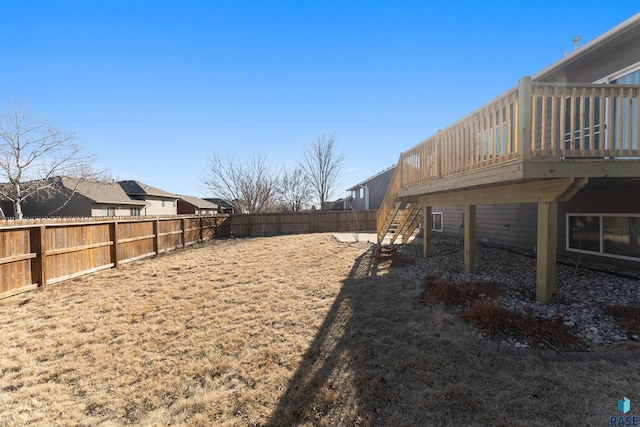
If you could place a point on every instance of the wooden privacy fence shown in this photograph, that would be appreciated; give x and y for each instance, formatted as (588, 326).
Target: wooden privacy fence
(42, 252)
(272, 224)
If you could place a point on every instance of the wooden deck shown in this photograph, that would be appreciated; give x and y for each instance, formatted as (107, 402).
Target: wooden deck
(537, 143)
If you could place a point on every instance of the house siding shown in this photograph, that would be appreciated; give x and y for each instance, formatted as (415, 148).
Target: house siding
(515, 225)
(98, 210)
(510, 225)
(154, 206)
(377, 188)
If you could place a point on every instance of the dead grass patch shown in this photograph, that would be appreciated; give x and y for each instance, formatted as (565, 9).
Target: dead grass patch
(437, 291)
(628, 317)
(498, 322)
(290, 330)
(495, 321)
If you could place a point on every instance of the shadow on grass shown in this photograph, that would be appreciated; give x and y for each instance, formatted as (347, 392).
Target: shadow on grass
(367, 364)
(382, 358)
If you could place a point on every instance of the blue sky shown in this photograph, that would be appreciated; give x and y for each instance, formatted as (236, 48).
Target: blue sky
(153, 87)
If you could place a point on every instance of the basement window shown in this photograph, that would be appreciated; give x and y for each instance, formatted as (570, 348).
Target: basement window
(436, 224)
(609, 235)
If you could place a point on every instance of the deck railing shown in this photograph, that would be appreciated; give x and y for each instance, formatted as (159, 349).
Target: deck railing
(533, 121)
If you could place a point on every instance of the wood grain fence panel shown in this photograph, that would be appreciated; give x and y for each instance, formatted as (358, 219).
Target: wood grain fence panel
(76, 249)
(135, 240)
(15, 261)
(191, 231)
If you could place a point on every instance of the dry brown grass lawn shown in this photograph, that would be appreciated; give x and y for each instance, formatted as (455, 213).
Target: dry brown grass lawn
(292, 330)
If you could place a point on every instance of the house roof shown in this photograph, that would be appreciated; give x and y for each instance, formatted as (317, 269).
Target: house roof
(100, 191)
(606, 45)
(355, 187)
(220, 202)
(137, 188)
(198, 203)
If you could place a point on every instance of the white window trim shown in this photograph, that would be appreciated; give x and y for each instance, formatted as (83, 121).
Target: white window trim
(621, 73)
(433, 223)
(601, 218)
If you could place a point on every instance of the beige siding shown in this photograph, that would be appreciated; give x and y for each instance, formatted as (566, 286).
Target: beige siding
(155, 206)
(98, 210)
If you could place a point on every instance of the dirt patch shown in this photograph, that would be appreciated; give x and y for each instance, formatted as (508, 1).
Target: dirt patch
(390, 256)
(291, 330)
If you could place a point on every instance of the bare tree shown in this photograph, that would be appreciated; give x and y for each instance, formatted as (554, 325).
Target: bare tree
(32, 154)
(322, 164)
(251, 187)
(295, 191)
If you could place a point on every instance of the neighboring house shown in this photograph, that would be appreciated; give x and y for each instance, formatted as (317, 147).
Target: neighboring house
(188, 205)
(76, 198)
(552, 165)
(343, 204)
(224, 207)
(368, 194)
(158, 202)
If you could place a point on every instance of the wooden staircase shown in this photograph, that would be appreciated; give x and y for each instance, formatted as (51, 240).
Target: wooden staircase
(396, 217)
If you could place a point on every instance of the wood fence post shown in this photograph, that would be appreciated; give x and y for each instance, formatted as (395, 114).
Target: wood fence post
(156, 238)
(201, 230)
(38, 246)
(113, 236)
(184, 233)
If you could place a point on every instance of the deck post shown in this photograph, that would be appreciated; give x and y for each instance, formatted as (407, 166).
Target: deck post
(427, 225)
(470, 239)
(547, 251)
(525, 133)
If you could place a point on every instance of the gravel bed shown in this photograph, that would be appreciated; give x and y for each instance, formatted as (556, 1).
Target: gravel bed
(582, 291)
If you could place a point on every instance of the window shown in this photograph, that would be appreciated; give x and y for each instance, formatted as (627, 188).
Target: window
(610, 235)
(163, 203)
(134, 211)
(436, 223)
(108, 211)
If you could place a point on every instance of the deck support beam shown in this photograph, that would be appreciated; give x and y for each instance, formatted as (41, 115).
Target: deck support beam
(427, 225)
(470, 239)
(547, 251)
